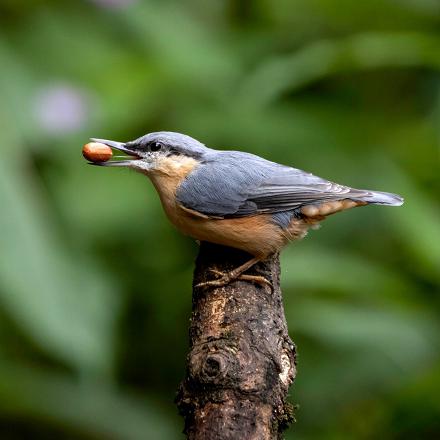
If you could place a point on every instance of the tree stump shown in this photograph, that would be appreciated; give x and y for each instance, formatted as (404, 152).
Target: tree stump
(241, 360)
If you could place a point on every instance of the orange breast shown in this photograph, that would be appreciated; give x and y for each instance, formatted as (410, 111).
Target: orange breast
(257, 235)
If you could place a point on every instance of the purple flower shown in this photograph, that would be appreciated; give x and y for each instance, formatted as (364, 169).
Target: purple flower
(61, 108)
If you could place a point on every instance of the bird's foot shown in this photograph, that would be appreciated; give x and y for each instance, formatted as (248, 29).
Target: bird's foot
(226, 277)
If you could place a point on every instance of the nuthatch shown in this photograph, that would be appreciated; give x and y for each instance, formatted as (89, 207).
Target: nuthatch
(234, 198)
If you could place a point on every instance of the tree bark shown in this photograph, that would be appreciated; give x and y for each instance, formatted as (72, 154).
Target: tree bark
(241, 360)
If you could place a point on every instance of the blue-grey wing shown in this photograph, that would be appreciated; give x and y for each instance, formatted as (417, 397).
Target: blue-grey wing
(221, 184)
(236, 184)
(289, 188)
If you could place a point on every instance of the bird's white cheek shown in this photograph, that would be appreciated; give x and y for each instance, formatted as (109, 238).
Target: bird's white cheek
(142, 165)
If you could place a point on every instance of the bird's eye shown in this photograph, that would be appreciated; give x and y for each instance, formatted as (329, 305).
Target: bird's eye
(155, 146)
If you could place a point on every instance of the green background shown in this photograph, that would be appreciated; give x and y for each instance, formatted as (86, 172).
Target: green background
(95, 283)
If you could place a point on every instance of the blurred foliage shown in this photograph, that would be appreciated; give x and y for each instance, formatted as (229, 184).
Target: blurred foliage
(95, 284)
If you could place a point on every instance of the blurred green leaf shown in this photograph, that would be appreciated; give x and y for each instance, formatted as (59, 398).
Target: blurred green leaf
(89, 408)
(210, 66)
(319, 268)
(388, 332)
(63, 301)
(325, 58)
(418, 225)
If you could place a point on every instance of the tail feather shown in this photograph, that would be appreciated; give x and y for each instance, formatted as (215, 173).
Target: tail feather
(382, 198)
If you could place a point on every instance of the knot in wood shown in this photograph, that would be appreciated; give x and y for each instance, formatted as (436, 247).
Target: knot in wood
(213, 365)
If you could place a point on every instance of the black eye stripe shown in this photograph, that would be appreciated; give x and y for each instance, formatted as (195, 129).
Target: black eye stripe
(155, 146)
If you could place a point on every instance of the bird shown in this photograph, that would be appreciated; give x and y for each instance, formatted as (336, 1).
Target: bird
(235, 198)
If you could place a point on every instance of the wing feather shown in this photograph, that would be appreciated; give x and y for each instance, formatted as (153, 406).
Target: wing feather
(234, 184)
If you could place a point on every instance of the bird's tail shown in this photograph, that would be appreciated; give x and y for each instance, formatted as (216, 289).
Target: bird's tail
(382, 198)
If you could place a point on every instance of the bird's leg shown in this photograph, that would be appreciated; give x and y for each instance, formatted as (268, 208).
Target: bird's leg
(237, 273)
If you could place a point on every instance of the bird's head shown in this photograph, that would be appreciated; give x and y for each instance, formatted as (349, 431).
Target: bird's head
(156, 151)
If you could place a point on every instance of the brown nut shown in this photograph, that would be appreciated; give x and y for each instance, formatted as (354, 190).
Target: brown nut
(97, 152)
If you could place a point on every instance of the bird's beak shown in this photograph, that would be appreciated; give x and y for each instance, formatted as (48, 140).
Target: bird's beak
(131, 154)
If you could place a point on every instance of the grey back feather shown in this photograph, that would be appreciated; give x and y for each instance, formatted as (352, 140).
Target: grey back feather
(237, 184)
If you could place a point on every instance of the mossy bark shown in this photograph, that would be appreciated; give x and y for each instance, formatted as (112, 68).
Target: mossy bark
(241, 360)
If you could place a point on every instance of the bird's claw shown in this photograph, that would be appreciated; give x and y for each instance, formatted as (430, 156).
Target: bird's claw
(226, 277)
(257, 279)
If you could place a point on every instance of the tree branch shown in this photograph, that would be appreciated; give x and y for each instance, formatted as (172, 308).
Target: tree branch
(241, 360)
